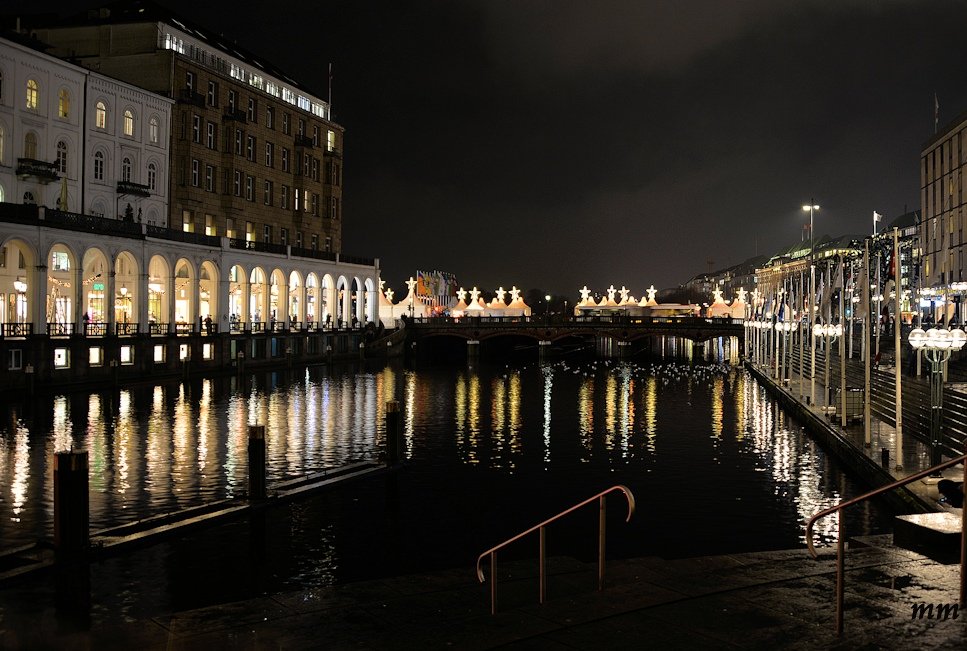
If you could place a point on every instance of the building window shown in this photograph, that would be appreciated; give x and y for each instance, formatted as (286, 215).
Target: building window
(95, 356)
(267, 234)
(33, 94)
(190, 80)
(62, 158)
(99, 166)
(128, 122)
(250, 188)
(315, 136)
(15, 361)
(159, 354)
(269, 150)
(194, 172)
(212, 97)
(100, 116)
(305, 200)
(152, 176)
(187, 221)
(211, 136)
(195, 128)
(127, 355)
(284, 236)
(62, 358)
(64, 103)
(328, 244)
(126, 170)
(315, 242)
(268, 193)
(230, 228)
(298, 239)
(297, 196)
(210, 225)
(270, 117)
(153, 135)
(209, 178)
(237, 184)
(330, 141)
(315, 204)
(30, 145)
(285, 123)
(284, 201)
(315, 169)
(251, 110)
(302, 127)
(285, 159)
(231, 101)
(250, 148)
(238, 142)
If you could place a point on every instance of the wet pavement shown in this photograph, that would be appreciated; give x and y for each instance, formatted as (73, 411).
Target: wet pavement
(781, 599)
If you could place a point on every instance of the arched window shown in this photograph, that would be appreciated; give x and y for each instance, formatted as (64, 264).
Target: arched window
(152, 175)
(30, 145)
(33, 94)
(62, 156)
(98, 166)
(64, 103)
(126, 169)
(100, 116)
(153, 131)
(29, 198)
(128, 122)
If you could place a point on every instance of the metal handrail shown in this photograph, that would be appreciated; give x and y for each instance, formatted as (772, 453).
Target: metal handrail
(492, 552)
(840, 577)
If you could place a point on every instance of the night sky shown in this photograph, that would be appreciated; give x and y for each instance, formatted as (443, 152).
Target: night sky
(552, 144)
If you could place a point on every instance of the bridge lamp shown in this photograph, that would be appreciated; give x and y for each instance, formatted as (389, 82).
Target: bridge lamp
(936, 344)
(828, 332)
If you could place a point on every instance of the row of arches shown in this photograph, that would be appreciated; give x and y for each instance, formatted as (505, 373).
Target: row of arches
(164, 291)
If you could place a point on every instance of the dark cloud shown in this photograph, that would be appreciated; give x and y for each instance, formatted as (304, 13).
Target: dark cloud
(553, 144)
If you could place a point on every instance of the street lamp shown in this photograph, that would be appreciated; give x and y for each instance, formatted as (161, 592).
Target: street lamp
(811, 208)
(936, 344)
(829, 333)
(785, 328)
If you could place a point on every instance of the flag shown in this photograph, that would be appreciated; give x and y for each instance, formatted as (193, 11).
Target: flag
(877, 217)
(890, 277)
(936, 112)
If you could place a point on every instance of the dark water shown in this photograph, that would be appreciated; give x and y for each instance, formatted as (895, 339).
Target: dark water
(714, 464)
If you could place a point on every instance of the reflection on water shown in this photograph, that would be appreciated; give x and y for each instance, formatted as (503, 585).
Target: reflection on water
(697, 437)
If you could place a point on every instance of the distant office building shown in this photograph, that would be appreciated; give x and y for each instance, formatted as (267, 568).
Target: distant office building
(942, 168)
(255, 155)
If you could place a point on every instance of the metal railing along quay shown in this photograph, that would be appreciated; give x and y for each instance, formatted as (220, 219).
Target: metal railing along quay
(492, 552)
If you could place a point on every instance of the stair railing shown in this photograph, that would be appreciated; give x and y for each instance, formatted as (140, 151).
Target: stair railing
(492, 552)
(840, 577)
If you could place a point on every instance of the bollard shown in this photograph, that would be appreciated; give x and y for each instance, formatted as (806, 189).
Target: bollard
(71, 509)
(393, 433)
(256, 462)
(885, 457)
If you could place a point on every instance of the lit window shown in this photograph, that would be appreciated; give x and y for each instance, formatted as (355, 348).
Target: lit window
(207, 351)
(62, 358)
(30, 145)
(128, 123)
(127, 355)
(100, 116)
(33, 94)
(183, 352)
(95, 356)
(331, 141)
(64, 103)
(159, 353)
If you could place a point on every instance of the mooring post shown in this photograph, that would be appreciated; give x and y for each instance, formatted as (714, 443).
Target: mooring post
(71, 508)
(256, 462)
(393, 432)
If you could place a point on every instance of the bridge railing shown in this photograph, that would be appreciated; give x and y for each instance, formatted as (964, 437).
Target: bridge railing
(557, 320)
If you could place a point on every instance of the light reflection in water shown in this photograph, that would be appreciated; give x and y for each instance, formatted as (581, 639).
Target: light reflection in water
(189, 444)
(548, 372)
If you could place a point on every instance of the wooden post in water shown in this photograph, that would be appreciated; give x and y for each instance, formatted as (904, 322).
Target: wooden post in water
(71, 508)
(256, 462)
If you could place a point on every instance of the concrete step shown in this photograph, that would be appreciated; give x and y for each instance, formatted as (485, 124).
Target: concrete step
(935, 535)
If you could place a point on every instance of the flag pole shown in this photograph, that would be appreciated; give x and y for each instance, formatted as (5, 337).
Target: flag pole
(896, 343)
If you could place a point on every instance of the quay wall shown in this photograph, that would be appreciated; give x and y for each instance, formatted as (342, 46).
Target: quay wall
(837, 444)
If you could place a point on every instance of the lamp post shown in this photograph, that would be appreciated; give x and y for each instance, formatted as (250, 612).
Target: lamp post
(812, 208)
(936, 344)
(547, 308)
(829, 333)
